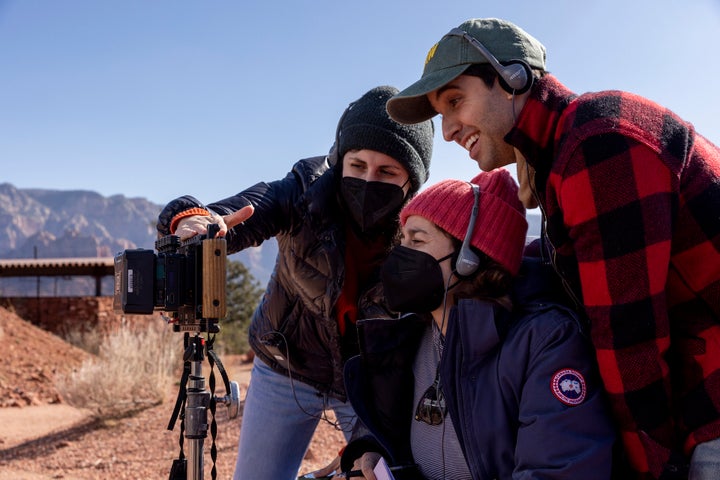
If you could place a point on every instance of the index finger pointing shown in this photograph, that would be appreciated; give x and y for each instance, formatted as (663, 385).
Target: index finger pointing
(236, 218)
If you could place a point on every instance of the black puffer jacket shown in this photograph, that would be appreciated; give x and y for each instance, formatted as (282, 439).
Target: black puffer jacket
(303, 213)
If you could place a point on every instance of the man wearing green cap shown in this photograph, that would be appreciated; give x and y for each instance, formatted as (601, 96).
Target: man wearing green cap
(630, 195)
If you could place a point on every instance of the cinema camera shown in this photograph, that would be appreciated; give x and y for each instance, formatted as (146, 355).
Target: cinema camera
(186, 279)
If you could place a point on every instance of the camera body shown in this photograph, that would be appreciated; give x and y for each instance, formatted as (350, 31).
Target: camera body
(185, 279)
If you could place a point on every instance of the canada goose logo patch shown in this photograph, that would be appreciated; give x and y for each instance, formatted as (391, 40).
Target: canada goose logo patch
(568, 386)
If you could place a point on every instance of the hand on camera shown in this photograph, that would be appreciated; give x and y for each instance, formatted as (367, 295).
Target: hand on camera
(197, 224)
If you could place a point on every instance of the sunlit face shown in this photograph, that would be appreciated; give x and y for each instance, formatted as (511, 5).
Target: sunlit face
(477, 118)
(421, 234)
(373, 166)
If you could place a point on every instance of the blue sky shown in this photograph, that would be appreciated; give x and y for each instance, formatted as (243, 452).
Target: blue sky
(158, 98)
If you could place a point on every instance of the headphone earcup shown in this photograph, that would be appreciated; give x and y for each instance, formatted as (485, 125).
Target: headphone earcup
(516, 77)
(467, 262)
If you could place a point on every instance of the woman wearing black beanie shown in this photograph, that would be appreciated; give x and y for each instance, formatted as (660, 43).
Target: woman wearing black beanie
(334, 218)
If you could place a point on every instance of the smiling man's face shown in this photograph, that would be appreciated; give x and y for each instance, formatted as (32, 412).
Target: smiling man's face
(477, 118)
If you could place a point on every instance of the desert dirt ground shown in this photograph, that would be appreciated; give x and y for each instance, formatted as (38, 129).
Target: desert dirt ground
(43, 438)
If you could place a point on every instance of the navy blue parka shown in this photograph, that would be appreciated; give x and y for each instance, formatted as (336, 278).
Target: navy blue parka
(502, 376)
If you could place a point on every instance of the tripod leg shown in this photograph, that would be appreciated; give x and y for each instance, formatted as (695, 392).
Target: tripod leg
(196, 421)
(179, 469)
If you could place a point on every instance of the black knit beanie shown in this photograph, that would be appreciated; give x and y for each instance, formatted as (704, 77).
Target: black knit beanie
(367, 125)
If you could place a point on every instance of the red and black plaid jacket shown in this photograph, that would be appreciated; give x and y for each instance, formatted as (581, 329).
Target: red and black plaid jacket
(631, 197)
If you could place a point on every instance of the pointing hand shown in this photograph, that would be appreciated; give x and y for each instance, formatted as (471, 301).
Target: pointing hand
(197, 224)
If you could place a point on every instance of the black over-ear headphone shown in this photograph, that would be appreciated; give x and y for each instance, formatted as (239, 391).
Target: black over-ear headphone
(515, 75)
(467, 261)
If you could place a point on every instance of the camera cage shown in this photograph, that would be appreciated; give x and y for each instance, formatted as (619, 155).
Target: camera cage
(184, 279)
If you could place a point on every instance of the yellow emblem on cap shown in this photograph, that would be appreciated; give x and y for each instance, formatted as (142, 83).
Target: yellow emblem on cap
(431, 53)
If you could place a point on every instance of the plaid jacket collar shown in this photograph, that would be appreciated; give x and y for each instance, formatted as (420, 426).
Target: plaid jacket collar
(534, 133)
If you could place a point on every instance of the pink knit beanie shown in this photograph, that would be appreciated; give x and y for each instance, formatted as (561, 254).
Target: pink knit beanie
(501, 226)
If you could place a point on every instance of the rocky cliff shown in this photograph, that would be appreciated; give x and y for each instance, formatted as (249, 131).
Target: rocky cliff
(51, 223)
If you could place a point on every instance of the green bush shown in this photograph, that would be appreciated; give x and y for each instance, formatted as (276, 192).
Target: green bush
(243, 294)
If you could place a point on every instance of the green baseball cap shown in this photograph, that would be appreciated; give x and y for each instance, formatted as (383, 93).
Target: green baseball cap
(453, 54)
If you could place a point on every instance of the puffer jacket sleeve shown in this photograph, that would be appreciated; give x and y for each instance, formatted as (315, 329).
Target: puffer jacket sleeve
(276, 206)
(274, 213)
(361, 442)
(176, 206)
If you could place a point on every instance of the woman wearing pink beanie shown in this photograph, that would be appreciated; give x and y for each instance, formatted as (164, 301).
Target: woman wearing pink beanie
(484, 374)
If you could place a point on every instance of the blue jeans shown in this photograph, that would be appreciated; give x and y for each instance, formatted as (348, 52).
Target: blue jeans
(705, 461)
(275, 431)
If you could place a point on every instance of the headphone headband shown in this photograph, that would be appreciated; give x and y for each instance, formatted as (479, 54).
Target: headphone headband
(468, 261)
(515, 75)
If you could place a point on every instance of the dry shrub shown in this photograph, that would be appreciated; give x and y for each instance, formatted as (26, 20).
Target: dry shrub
(88, 340)
(133, 370)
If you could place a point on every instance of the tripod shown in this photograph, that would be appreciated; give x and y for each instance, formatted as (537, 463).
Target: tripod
(200, 304)
(197, 400)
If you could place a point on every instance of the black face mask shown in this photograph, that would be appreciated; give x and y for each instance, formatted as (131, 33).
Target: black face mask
(371, 204)
(412, 280)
